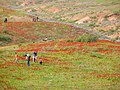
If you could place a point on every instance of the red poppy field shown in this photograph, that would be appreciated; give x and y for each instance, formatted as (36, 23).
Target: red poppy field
(22, 32)
(66, 65)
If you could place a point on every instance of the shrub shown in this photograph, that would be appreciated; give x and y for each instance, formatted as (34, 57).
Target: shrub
(51, 38)
(69, 40)
(93, 17)
(111, 31)
(93, 25)
(5, 38)
(117, 11)
(87, 38)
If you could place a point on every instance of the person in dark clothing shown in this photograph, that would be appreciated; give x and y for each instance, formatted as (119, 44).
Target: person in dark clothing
(5, 21)
(28, 59)
(37, 19)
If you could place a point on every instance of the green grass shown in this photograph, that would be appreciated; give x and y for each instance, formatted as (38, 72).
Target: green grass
(87, 67)
(87, 38)
(77, 70)
(21, 32)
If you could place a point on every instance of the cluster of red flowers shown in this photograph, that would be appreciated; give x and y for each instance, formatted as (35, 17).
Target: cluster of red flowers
(108, 75)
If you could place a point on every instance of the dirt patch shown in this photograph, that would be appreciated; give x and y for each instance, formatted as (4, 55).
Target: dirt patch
(36, 68)
(107, 28)
(20, 19)
(54, 10)
(84, 20)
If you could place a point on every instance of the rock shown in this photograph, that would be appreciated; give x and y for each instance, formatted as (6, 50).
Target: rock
(115, 35)
(86, 19)
(30, 10)
(104, 37)
(113, 17)
(117, 40)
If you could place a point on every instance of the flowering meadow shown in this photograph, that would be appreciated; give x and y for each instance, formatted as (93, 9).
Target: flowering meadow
(66, 66)
(22, 32)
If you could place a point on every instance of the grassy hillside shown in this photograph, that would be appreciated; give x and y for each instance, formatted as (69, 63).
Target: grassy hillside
(11, 14)
(66, 66)
(96, 15)
(67, 63)
(72, 10)
(21, 29)
(21, 32)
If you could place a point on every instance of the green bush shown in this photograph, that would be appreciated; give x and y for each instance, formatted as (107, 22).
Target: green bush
(93, 25)
(5, 31)
(117, 11)
(87, 38)
(5, 38)
(51, 38)
(69, 41)
(111, 32)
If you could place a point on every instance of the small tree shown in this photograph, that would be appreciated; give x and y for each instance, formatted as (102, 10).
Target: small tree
(87, 38)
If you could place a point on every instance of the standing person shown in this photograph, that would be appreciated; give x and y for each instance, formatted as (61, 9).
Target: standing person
(5, 21)
(37, 19)
(16, 58)
(34, 56)
(28, 59)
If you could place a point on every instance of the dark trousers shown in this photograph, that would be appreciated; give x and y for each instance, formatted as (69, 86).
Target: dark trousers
(41, 62)
(28, 63)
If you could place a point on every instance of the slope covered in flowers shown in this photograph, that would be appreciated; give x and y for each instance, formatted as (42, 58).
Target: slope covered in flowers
(21, 32)
(66, 65)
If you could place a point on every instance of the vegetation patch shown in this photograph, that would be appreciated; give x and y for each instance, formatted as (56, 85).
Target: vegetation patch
(87, 38)
(116, 11)
(5, 38)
